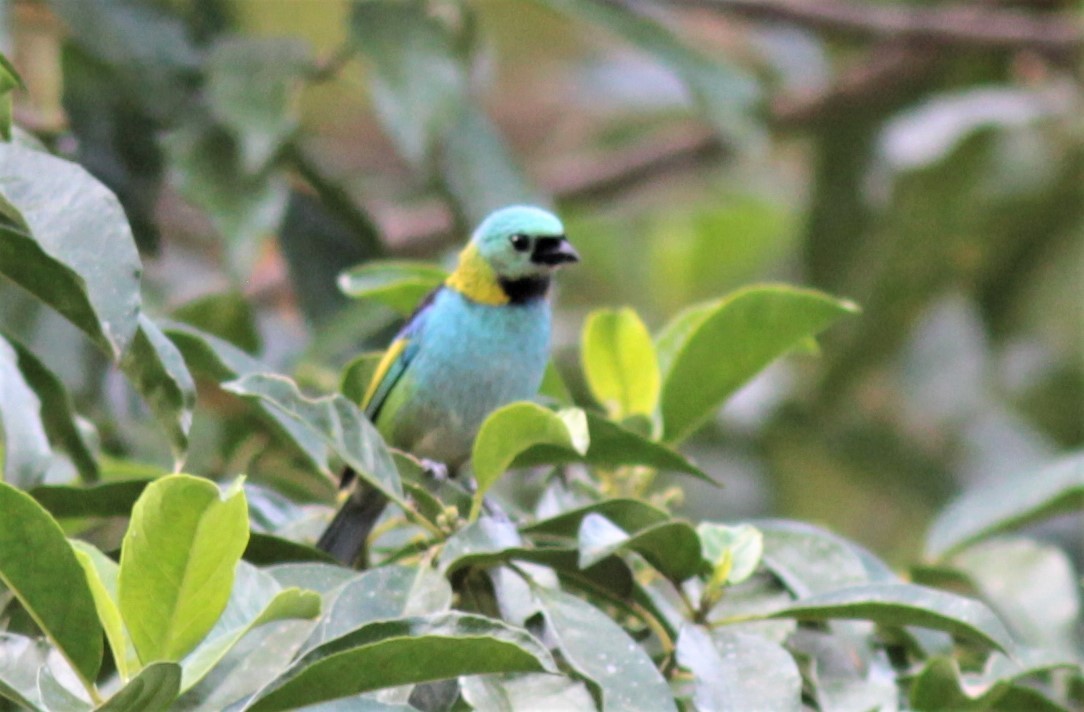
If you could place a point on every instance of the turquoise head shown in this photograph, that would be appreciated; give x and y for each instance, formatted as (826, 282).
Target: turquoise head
(522, 242)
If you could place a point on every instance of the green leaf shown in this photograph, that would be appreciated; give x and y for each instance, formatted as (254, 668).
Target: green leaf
(736, 548)
(726, 94)
(381, 594)
(613, 445)
(227, 315)
(323, 578)
(20, 660)
(157, 369)
(256, 599)
(340, 423)
(58, 415)
(253, 89)
(604, 654)
(404, 651)
(518, 692)
(629, 514)
(107, 499)
(419, 79)
(479, 169)
(9, 81)
(101, 573)
(177, 563)
(672, 547)
(400, 285)
(39, 567)
(357, 374)
(26, 452)
(80, 259)
(903, 604)
(619, 363)
(56, 696)
(941, 687)
(1056, 488)
(510, 430)
(809, 560)
(709, 351)
(268, 549)
(154, 688)
(739, 671)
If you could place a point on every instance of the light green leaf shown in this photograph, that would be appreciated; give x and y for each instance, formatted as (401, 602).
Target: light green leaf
(739, 671)
(101, 573)
(9, 81)
(177, 563)
(253, 89)
(738, 548)
(39, 567)
(672, 547)
(156, 368)
(404, 651)
(903, 604)
(709, 351)
(419, 78)
(255, 600)
(80, 260)
(26, 453)
(525, 693)
(510, 430)
(400, 285)
(154, 688)
(613, 445)
(619, 363)
(603, 653)
(990, 509)
(20, 660)
(340, 423)
(809, 560)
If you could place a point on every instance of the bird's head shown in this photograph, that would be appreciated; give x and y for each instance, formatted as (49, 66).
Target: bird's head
(522, 241)
(512, 255)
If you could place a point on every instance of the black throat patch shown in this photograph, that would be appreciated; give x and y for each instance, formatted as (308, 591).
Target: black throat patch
(525, 289)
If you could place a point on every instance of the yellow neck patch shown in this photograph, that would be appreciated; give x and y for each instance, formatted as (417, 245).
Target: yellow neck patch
(475, 279)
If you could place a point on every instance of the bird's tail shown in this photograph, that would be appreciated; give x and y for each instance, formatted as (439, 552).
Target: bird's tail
(346, 536)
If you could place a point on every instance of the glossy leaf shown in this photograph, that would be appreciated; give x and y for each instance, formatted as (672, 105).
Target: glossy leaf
(55, 695)
(157, 369)
(419, 82)
(736, 549)
(357, 374)
(809, 560)
(107, 499)
(940, 687)
(177, 563)
(629, 514)
(709, 351)
(906, 604)
(404, 651)
(985, 511)
(600, 651)
(525, 693)
(101, 573)
(154, 688)
(26, 453)
(672, 547)
(510, 430)
(400, 285)
(82, 261)
(619, 362)
(268, 549)
(39, 567)
(739, 671)
(338, 422)
(20, 660)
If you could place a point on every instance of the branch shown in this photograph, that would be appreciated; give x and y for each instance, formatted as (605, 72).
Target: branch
(978, 26)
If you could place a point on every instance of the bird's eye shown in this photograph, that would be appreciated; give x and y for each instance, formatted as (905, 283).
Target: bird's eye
(521, 243)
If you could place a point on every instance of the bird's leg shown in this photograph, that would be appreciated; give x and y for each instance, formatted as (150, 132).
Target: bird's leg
(435, 469)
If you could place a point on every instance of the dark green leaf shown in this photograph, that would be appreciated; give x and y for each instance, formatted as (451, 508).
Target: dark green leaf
(709, 351)
(629, 514)
(404, 651)
(672, 547)
(268, 549)
(739, 671)
(990, 509)
(419, 80)
(340, 423)
(941, 687)
(157, 369)
(26, 452)
(58, 416)
(177, 563)
(227, 315)
(599, 650)
(9, 80)
(905, 604)
(82, 260)
(154, 688)
(614, 445)
(398, 284)
(108, 499)
(39, 567)
(358, 374)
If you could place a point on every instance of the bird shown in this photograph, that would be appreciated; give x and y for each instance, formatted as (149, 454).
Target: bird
(478, 341)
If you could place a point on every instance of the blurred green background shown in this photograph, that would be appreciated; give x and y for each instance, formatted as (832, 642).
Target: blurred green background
(932, 171)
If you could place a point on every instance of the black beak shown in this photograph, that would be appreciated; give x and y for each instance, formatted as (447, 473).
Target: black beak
(553, 251)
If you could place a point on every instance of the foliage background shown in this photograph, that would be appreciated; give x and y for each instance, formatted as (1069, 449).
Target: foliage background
(933, 172)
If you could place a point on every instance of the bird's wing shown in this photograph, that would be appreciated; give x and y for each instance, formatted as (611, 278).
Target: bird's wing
(394, 363)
